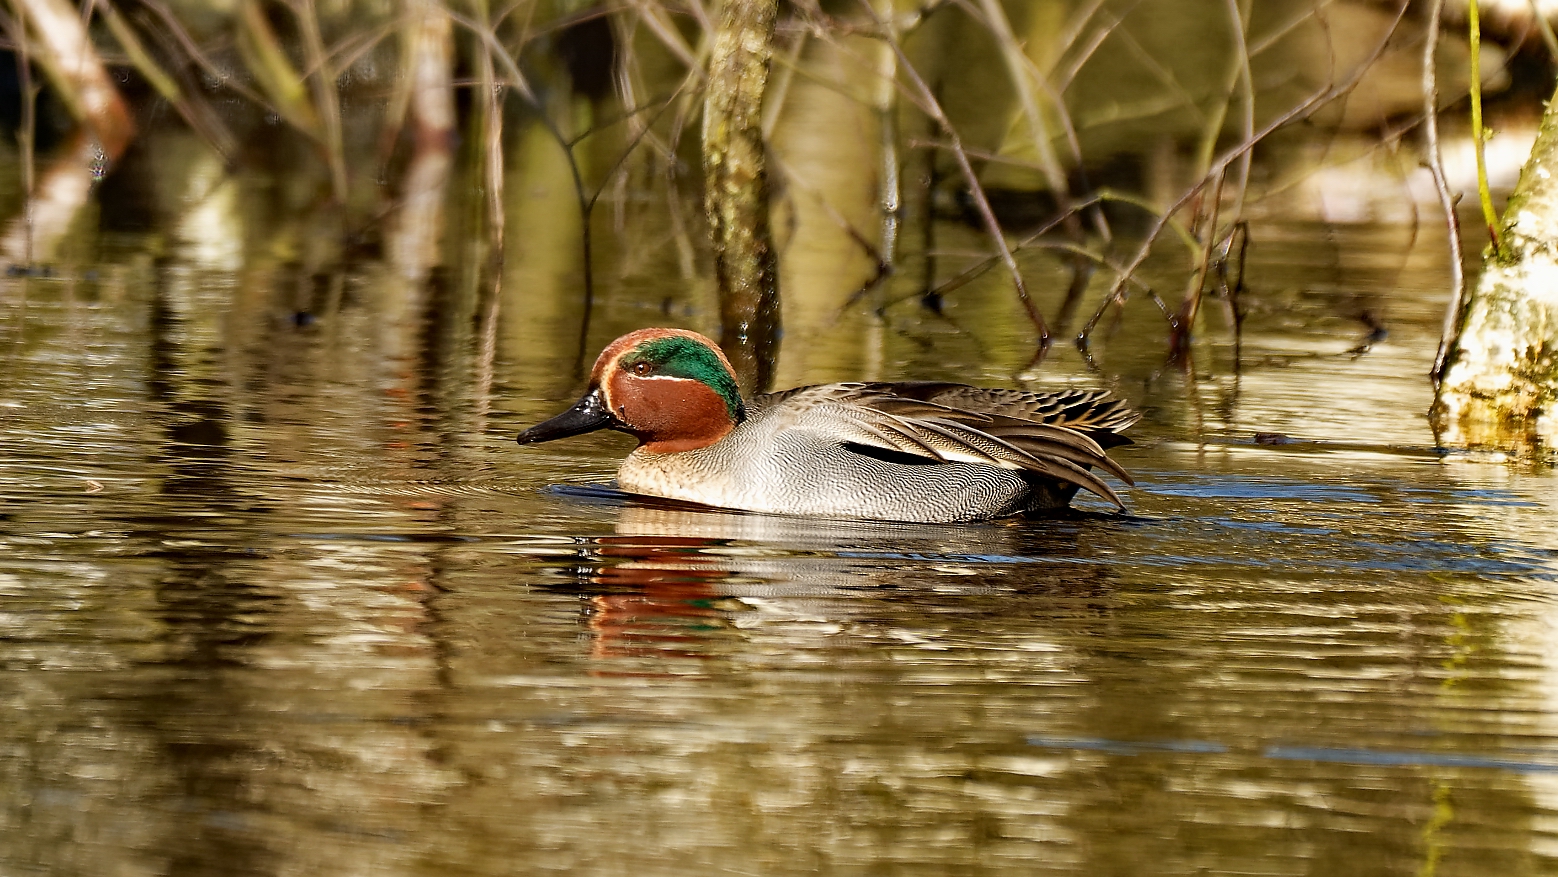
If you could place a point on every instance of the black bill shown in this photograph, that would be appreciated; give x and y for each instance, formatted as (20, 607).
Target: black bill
(587, 415)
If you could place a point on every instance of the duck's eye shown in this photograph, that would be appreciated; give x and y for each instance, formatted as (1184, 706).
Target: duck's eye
(641, 368)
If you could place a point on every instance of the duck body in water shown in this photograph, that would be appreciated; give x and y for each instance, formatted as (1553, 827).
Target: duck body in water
(928, 452)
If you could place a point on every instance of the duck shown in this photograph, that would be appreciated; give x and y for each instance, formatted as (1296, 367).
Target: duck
(914, 451)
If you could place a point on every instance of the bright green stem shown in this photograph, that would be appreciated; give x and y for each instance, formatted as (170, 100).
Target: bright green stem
(1479, 134)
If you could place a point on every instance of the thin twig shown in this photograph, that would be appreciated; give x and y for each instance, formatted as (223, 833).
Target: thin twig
(26, 135)
(932, 107)
(1184, 321)
(1543, 25)
(1099, 197)
(326, 96)
(1063, 75)
(1017, 70)
(1057, 102)
(1300, 111)
(1479, 134)
(890, 184)
(659, 24)
(1238, 15)
(218, 73)
(1025, 76)
(1452, 311)
(196, 112)
(490, 106)
(521, 85)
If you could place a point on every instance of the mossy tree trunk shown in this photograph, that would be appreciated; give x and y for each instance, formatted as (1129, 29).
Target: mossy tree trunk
(735, 175)
(1500, 390)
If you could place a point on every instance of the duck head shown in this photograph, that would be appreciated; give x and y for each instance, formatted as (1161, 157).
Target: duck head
(671, 389)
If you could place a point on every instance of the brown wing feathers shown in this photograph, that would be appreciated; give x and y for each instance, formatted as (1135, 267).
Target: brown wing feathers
(941, 422)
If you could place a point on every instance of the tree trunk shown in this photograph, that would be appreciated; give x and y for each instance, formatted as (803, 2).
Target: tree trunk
(58, 40)
(1500, 391)
(736, 189)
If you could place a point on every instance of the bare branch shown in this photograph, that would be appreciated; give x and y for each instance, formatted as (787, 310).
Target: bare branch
(1447, 201)
(927, 101)
(1303, 110)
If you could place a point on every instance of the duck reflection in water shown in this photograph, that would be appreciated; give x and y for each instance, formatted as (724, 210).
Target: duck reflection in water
(676, 582)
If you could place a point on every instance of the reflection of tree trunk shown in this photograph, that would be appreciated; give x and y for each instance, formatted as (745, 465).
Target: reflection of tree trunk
(736, 189)
(1501, 387)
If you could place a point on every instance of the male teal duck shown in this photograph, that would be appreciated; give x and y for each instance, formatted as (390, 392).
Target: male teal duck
(924, 451)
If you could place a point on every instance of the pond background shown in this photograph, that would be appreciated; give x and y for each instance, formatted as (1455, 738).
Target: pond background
(279, 594)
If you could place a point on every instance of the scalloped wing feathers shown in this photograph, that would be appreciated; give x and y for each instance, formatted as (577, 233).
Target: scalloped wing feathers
(1058, 436)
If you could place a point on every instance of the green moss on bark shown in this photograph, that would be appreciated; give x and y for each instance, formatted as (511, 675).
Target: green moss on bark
(736, 188)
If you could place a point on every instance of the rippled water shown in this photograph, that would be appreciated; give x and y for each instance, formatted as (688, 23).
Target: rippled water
(275, 601)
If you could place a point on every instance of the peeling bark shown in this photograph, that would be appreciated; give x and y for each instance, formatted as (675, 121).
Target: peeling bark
(1500, 391)
(736, 189)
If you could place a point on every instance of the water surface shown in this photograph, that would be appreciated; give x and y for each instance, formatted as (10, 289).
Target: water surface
(279, 595)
